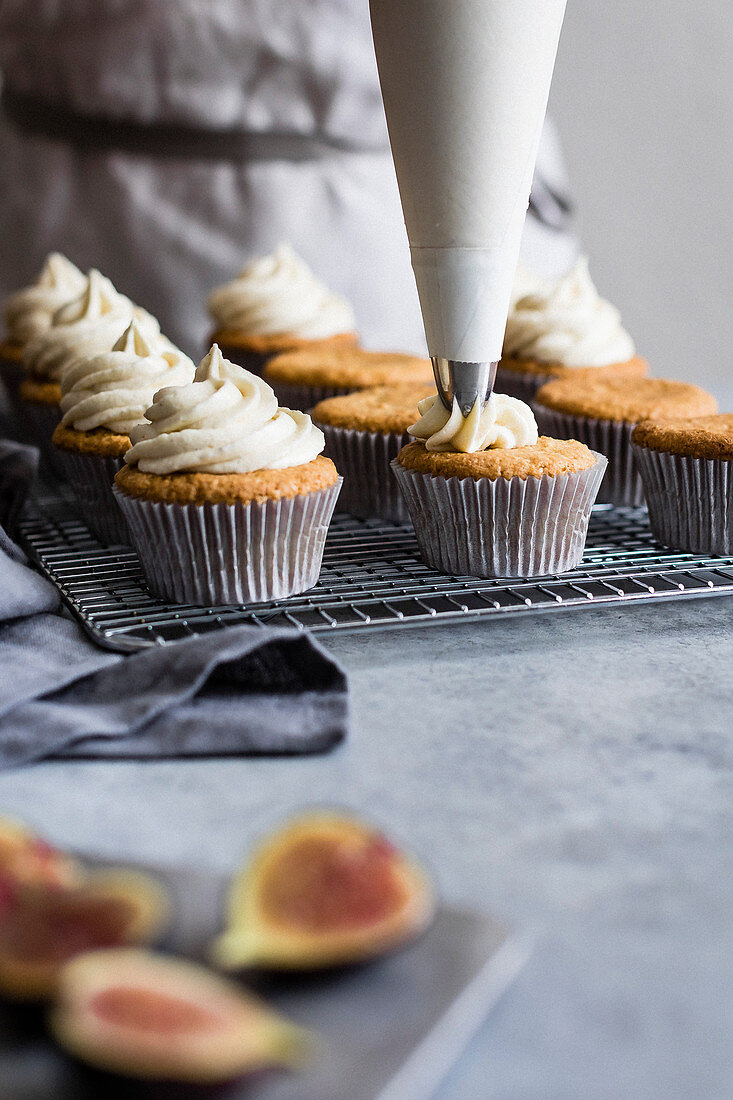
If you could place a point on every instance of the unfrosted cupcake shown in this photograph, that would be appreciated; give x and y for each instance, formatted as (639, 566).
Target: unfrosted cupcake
(556, 328)
(488, 498)
(277, 304)
(303, 378)
(364, 432)
(103, 398)
(686, 467)
(227, 497)
(602, 411)
(29, 312)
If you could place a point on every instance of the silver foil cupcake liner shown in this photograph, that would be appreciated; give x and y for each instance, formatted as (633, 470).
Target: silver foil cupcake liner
(521, 385)
(91, 478)
(612, 438)
(363, 460)
(304, 398)
(40, 420)
(230, 553)
(690, 501)
(504, 528)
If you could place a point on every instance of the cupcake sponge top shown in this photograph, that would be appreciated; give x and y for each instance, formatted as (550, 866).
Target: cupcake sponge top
(379, 409)
(698, 437)
(626, 399)
(347, 368)
(547, 457)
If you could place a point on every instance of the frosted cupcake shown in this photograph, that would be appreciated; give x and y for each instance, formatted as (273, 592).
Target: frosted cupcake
(556, 328)
(277, 304)
(29, 312)
(303, 378)
(686, 467)
(488, 498)
(602, 411)
(364, 432)
(227, 497)
(103, 398)
(91, 323)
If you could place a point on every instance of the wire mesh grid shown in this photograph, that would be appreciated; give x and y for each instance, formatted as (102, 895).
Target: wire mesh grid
(372, 578)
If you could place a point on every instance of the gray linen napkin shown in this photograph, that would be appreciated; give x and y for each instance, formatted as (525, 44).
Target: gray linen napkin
(235, 691)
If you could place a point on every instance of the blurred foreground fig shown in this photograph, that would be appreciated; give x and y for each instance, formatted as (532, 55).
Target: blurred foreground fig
(326, 890)
(150, 1016)
(42, 927)
(27, 858)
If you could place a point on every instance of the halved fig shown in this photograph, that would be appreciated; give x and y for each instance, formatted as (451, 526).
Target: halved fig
(326, 890)
(42, 927)
(27, 858)
(150, 1016)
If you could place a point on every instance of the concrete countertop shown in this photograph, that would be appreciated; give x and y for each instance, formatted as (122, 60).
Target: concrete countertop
(571, 771)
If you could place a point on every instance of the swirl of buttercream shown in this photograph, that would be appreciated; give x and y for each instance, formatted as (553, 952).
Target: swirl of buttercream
(567, 322)
(226, 421)
(29, 311)
(90, 324)
(112, 390)
(278, 294)
(503, 422)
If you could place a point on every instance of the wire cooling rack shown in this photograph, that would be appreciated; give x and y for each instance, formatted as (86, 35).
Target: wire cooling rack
(372, 578)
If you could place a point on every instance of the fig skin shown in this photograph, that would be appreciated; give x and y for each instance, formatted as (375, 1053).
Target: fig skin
(284, 907)
(43, 927)
(149, 1016)
(26, 857)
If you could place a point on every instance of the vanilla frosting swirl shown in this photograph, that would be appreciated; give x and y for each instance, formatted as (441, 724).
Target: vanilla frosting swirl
(567, 322)
(503, 422)
(226, 421)
(112, 390)
(279, 294)
(91, 323)
(29, 311)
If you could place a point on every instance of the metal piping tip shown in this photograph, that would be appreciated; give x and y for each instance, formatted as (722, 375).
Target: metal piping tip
(466, 382)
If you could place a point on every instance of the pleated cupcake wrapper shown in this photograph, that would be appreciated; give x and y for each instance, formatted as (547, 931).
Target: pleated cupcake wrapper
(12, 374)
(690, 501)
(305, 397)
(622, 484)
(503, 528)
(521, 385)
(91, 477)
(363, 459)
(41, 421)
(213, 554)
(253, 361)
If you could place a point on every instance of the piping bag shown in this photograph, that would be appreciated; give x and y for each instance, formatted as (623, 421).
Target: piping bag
(465, 86)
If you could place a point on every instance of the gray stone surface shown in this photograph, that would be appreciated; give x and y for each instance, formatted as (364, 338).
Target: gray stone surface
(571, 771)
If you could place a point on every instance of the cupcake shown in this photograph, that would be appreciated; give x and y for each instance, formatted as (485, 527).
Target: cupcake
(556, 328)
(28, 314)
(91, 323)
(686, 467)
(602, 411)
(102, 399)
(227, 497)
(277, 304)
(364, 432)
(488, 498)
(303, 378)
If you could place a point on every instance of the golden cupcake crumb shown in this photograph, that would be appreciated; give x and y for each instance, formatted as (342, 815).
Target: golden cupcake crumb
(277, 342)
(547, 457)
(626, 399)
(350, 368)
(40, 393)
(697, 437)
(385, 409)
(10, 351)
(100, 441)
(259, 485)
(636, 367)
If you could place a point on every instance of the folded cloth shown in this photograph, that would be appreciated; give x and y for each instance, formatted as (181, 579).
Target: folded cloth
(235, 691)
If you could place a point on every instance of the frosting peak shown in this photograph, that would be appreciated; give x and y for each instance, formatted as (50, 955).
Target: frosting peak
(29, 312)
(567, 322)
(278, 294)
(113, 389)
(503, 422)
(226, 421)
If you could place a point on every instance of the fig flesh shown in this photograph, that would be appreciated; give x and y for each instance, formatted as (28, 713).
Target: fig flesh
(27, 858)
(326, 890)
(42, 927)
(150, 1016)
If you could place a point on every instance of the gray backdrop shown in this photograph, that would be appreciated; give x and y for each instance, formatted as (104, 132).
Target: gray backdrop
(643, 98)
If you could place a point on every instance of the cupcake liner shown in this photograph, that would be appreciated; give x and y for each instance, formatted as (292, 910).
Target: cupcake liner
(622, 484)
(253, 361)
(292, 396)
(363, 459)
(504, 528)
(12, 373)
(519, 384)
(41, 420)
(91, 477)
(690, 500)
(230, 553)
